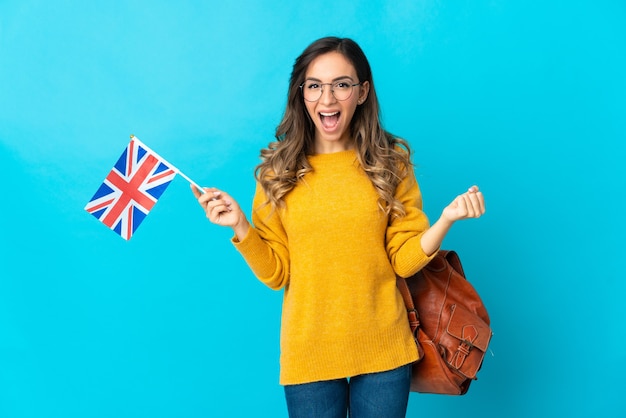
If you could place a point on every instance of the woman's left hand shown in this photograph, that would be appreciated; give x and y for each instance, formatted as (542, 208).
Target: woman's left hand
(470, 204)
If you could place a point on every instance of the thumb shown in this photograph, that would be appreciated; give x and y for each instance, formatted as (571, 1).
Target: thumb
(196, 192)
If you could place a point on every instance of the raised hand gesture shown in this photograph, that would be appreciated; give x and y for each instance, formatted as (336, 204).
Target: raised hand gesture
(470, 204)
(223, 210)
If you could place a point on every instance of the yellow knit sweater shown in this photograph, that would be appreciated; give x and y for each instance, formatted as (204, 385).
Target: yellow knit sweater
(336, 255)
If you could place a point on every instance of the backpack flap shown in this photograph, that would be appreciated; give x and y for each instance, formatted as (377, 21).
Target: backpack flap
(471, 336)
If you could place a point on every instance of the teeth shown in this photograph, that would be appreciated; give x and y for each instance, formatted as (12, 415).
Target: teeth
(329, 114)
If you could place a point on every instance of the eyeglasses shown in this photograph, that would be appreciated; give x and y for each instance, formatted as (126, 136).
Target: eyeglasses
(341, 90)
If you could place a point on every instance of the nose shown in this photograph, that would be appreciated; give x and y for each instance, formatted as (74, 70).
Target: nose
(327, 94)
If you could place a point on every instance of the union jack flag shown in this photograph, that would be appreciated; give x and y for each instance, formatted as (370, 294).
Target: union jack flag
(131, 189)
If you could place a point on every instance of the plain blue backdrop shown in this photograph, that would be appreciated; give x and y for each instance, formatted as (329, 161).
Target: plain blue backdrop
(525, 98)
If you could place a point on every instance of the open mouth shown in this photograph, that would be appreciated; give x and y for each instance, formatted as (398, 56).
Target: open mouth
(329, 120)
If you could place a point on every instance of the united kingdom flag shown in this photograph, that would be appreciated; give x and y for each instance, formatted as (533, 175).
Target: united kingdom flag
(131, 189)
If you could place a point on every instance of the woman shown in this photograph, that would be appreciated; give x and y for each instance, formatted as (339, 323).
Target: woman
(336, 215)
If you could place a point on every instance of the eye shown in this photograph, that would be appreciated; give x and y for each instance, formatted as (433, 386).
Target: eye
(312, 86)
(342, 85)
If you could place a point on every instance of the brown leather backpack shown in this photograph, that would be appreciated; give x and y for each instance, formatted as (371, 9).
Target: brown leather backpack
(450, 325)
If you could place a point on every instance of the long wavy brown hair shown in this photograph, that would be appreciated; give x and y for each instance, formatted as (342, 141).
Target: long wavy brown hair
(384, 157)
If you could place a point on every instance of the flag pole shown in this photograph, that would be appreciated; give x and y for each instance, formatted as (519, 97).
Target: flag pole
(133, 137)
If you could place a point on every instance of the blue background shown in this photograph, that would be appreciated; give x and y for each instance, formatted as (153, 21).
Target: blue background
(525, 98)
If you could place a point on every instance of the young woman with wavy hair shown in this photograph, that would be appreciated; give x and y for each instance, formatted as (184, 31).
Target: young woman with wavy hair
(379, 153)
(337, 214)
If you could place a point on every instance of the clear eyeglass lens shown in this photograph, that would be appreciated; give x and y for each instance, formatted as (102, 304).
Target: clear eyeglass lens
(342, 90)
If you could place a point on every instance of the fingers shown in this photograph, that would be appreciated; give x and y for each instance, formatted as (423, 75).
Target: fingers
(196, 192)
(474, 202)
(210, 193)
(216, 210)
(470, 204)
(216, 204)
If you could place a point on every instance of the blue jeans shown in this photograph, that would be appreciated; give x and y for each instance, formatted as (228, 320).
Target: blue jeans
(373, 395)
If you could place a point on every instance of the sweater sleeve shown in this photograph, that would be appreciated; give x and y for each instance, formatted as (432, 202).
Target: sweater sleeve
(265, 246)
(403, 237)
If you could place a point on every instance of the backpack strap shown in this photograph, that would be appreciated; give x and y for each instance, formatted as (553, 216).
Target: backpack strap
(413, 315)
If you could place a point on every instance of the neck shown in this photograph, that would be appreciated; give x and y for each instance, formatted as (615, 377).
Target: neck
(327, 147)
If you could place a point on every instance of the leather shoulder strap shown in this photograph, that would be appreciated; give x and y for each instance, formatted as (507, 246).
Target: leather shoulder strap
(413, 315)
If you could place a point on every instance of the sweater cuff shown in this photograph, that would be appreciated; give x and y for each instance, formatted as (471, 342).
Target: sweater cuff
(414, 259)
(251, 239)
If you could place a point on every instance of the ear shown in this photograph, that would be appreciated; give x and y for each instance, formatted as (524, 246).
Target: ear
(364, 90)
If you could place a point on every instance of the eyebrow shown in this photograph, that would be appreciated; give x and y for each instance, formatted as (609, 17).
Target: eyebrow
(343, 77)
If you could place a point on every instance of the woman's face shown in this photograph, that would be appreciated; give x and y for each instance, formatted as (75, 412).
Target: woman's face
(332, 117)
